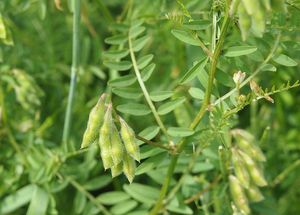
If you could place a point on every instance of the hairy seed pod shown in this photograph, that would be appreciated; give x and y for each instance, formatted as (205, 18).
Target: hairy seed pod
(116, 170)
(95, 121)
(258, 22)
(267, 4)
(254, 194)
(129, 167)
(278, 5)
(105, 140)
(251, 6)
(129, 140)
(244, 22)
(239, 198)
(117, 149)
(240, 169)
(251, 149)
(254, 171)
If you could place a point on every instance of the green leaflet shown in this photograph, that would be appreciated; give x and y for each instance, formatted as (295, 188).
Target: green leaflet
(113, 197)
(119, 66)
(142, 193)
(97, 182)
(128, 93)
(170, 106)
(147, 72)
(186, 37)
(123, 207)
(194, 71)
(197, 25)
(115, 54)
(18, 199)
(116, 40)
(269, 67)
(284, 60)
(123, 81)
(158, 96)
(136, 31)
(39, 202)
(148, 133)
(139, 43)
(134, 109)
(196, 93)
(236, 51)
(180, 132)
(144, 61)
(80, 201)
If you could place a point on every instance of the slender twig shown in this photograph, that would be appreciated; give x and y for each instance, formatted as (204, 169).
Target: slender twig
(259, 68)
(149, 142)
(200, 193)
(81, 189)
(145, 91)
(285, 172)
(74, 71)
(199, 116)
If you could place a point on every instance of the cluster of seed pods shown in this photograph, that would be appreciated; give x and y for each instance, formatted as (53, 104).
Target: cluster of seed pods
(252, 15)
(246, 158)
(118, 147)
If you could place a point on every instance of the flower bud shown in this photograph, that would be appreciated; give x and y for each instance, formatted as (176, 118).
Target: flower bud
(95, 121)
(240, 169)
(116, 170)
(129, 140)
(129, 167)
(238, 77)
(239, 198)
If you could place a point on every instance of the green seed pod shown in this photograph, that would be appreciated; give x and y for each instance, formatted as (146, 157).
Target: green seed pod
(95, 121)
(105, 140)
(239, 198)
(117, 149)
(129, 140)
(267, 4)
(129, 167)
(254, 171)
(240, 169)
(278, 5)
(258, 22)
(251, 6)
(253, 150)
(244, 22)
(254, 194)
(116, 170)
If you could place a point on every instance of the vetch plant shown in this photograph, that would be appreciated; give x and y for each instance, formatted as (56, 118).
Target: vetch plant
(173, 107)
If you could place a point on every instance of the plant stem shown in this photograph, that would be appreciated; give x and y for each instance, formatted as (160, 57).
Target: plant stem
(81, 189)
(145, 92)
(74, 71)
(199, 116)
(268, 58)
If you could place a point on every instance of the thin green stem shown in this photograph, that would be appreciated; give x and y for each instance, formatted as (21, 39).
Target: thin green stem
(145, 91)
(259, 68)
(74, 71)
(81, 189)
(198, 117)
(285, 173)
(202, 111)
